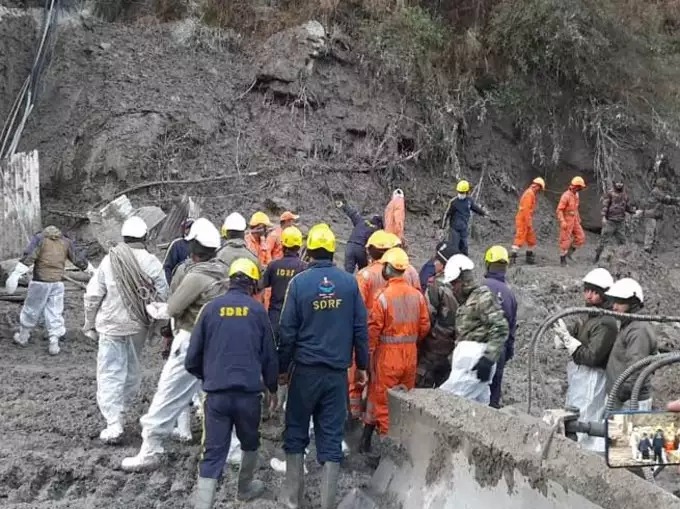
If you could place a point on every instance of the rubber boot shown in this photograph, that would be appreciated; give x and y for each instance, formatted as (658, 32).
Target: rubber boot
(148, 457)
(182, 432)
(53, 348)
(249, 488)
(365, 445)
(21, 338)
(531, 258)
(205, 493)
(598, 253)
(563, 261)
(570, 253)
(513, 258)
(294, 483)
(329, 484)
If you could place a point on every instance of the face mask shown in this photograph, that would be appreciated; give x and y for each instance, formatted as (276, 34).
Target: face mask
(462, 196)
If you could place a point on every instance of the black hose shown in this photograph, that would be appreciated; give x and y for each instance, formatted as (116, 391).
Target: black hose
(660, 362)
(591, 311)
(633, 368)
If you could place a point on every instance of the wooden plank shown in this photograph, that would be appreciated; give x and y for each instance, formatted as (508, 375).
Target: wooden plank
(20, 214)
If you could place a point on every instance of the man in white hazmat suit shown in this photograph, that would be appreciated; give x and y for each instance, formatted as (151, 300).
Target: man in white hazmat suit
(589, 343)
(481, 332)
(194, 284)
(47, 252)
(115, 314)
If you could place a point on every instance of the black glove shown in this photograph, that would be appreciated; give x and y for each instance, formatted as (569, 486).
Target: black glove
(166, 334)
(483, 369)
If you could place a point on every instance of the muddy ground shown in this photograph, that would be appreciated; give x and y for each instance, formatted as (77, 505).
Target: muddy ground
(126, 104)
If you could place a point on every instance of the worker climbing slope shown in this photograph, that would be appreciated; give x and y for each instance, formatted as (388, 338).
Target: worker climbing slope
(274, 244)
(457, 216)
(589, 343)
(397, 321)
(395, 215)
(434, 352)
(355, 252)
(524, 221)
(571, 232)
(47, 253)
(193, 285)
(481, 333)
(323, 324)
(115, 313)
(497, 261)
(232, 353)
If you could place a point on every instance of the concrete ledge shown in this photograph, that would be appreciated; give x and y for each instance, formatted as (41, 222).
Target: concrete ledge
(452, 453)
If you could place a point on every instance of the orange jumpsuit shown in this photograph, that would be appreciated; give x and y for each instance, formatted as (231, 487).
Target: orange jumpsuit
(395, 216)
(398, 319)
(571, 233)
(524, 221)
(274, 246)
(259, 247)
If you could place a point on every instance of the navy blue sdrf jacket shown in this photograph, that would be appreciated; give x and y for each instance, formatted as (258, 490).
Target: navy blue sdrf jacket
(363, 228)
(323, 320)
(176, 254)
(231, 346)
(278, 275)
(495, 281)
(457, 215)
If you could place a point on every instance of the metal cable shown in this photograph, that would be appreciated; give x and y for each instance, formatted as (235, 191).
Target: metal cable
(136, 288)
(658, 363)
(591, 311)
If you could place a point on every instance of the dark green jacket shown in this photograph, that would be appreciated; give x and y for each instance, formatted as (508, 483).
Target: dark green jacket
(597, 335)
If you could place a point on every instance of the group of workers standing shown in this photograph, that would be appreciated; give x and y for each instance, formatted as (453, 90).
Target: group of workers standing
(242, 314)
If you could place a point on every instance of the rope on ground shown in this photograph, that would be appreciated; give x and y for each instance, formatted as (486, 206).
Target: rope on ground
(136, 289)
(533, 346)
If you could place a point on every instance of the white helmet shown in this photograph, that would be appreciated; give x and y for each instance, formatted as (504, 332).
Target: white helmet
(462, 262)
(134, 227)
(625, 289)
(600, 278)
(205, 233)
(398, 193)
(451, 271)
(235, 222)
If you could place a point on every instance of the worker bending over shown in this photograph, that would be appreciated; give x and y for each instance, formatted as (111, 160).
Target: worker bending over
(397, 321)
(481, 332)
(274, 244)
(232, 353)
(524, 221)
(355, 252)
(571, 232)
(457, 216)
(323, 323)
(395, 214)
(635, 340)
(47, 252)
(193, 285)
(497, 262)
(589, 343)
(178, 251)
(115, 314)
(434, 352)
(281, 271)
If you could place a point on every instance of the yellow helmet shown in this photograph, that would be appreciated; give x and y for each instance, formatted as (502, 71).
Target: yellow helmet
(246, 267)
(291, 237)
(540, 182)
(463, 186)
(320, 236)
(380, 239)
(259, 218)
(397, 258)
(578, 182)
(496, 254)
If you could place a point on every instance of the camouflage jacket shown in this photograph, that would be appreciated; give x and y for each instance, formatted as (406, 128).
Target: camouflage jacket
(481, 319)
(615, 205)
(654, 207)
(441, 302)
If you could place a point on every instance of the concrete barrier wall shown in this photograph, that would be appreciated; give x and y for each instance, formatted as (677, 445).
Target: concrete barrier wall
(451, 453)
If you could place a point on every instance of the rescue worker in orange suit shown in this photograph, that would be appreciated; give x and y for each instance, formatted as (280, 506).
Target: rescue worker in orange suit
(571, 232)
(398, 320)
(371, 281)
(411, 274)
(395, 214)
(256, 242)
(524, 222)
(274, 245)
